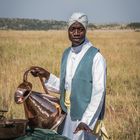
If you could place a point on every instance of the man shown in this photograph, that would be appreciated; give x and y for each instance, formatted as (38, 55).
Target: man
(82, 83)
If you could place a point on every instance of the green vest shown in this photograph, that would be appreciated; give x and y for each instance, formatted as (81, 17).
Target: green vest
(81, 83)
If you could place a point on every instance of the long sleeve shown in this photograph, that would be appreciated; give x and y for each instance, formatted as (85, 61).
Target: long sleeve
(53, 83)
(93, 110)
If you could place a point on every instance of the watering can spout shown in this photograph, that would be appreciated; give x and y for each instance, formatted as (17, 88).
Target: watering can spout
(22, 92)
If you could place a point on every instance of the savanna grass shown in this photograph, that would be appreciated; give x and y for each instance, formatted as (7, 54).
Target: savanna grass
(21, 49)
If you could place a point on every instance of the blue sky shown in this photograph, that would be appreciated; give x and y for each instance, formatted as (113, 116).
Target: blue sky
(98, 11)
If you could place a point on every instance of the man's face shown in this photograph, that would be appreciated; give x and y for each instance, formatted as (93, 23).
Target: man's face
(77, 34)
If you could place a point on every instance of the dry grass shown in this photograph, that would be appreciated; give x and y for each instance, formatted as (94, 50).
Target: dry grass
(21, 49)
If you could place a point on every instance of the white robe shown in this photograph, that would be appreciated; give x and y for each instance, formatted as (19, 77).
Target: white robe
(93, 110)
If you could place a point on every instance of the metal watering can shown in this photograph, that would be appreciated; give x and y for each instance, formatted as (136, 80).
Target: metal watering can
(42, 110)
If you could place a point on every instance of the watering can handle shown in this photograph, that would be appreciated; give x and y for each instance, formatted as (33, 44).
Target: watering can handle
(44, 87)
(41, 79)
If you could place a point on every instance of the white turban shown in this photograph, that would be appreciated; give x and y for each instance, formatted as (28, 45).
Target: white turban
(79, 17)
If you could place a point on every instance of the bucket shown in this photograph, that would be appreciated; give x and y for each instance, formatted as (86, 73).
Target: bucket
(11, 129)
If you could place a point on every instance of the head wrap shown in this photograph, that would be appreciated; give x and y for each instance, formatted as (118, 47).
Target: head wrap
(79, 17)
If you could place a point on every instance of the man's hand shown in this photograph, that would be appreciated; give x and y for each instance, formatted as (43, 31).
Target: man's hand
(84, 127)
(40, 72)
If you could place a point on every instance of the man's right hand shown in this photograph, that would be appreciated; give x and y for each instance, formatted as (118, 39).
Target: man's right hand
(40, 72)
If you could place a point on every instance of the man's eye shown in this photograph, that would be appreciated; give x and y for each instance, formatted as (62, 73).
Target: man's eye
(77, 29)
(81, 29)
(72, 29)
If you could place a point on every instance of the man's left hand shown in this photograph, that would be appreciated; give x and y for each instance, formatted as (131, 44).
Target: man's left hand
(84, 127)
